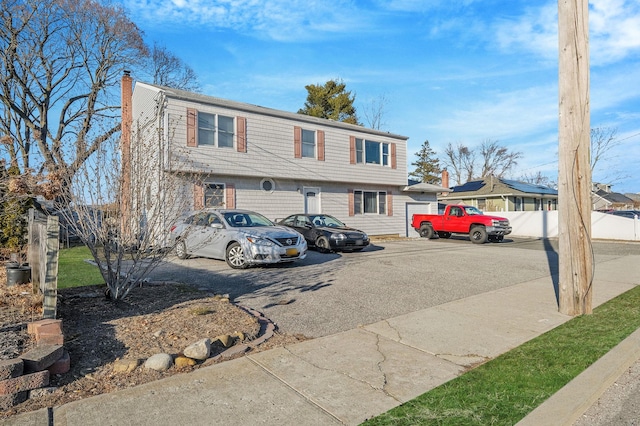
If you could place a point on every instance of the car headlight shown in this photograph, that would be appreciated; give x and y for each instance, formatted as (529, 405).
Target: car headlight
(339, 237)
(260, 241)
(365, 236)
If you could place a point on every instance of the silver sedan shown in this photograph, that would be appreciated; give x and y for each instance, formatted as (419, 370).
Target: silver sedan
(241, 237)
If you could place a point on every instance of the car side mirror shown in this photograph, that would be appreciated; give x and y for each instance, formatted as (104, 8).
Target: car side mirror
(216, 225)
(308, 225)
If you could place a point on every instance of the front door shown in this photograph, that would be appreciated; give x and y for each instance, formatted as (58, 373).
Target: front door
(311, 200)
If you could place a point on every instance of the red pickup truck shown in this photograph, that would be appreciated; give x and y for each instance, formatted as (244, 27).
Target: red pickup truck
(460, 219)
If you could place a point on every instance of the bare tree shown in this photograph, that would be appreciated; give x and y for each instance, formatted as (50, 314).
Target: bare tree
(461, 160)
(603, 140)
(58, 63)
(171, 71)
(374, 112)
(538, 179)
(127, 238)
(497, 160)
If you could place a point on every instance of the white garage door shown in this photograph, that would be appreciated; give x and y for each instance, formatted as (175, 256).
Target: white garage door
(413, 208)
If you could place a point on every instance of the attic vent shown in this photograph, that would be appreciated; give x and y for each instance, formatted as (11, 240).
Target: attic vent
(267, 185)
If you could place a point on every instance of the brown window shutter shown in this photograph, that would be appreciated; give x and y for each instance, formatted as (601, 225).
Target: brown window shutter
(320, 137)
(192, 127)
(389, 204)
(352, 209)
(230, 195)
(394, 162)
(241, 134)
(297, 142)
(352, 149)
(198, 196)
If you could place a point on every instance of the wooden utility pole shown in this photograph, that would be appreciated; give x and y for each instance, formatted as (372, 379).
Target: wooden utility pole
(574, 174)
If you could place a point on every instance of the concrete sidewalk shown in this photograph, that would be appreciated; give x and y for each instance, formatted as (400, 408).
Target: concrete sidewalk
(349, 377)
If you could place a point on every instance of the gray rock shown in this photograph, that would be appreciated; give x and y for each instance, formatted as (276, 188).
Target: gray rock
(199, 350)
(159, 362)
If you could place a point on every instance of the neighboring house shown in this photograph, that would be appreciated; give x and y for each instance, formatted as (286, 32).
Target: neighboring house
(277, 163)
(602, 198)
(493, 194)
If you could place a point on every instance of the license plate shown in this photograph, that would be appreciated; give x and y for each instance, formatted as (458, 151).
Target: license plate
(358, 242)
(292, 252)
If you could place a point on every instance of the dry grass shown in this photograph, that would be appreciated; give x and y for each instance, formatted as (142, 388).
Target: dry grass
(18, 303)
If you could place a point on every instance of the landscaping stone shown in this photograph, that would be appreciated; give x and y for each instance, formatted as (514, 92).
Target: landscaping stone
(11, 368)
(24, 383)
(225, 340)
(8, 401)
(199, 350)
(40, 392)
(125, 365)
(41, 357)
(62, 365)
(48, 326)
(183, 361)
(159, 362)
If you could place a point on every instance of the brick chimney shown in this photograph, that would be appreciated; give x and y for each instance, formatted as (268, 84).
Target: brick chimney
(125, 151)
(445, 178)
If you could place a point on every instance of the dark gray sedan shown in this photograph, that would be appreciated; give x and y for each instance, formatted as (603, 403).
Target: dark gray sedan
(326, 233)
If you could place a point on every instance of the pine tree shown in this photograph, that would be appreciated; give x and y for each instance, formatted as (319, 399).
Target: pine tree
(427, 166)
(331, 101)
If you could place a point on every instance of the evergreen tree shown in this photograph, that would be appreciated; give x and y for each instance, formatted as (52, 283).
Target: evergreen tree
(427, 166)
(331, 101)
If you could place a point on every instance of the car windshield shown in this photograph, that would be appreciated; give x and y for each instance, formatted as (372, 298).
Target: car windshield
(472, 210)
(246, 219)
(324, 220)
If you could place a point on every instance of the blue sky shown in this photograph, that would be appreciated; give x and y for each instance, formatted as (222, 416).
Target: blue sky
(459, 71)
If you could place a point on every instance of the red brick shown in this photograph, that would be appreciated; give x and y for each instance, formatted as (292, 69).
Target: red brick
(24, 383)
(32, 327)
(50, 339)
(62, 365)
(11, 368)
(41, 357)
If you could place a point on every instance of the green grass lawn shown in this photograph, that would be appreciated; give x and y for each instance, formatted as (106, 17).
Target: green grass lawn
(74, 271)
(507, 388)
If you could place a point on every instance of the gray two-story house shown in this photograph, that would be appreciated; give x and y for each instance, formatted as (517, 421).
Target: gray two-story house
(239, 155)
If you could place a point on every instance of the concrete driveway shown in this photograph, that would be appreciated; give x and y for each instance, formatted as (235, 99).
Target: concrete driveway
(330, 293)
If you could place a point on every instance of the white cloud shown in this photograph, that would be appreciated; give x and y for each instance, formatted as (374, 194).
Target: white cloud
(614, 28)
(282, 20)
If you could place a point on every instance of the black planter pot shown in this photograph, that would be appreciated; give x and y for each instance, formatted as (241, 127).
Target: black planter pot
(18, 275)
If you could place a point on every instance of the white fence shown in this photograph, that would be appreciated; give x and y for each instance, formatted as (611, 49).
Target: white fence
(544, 224)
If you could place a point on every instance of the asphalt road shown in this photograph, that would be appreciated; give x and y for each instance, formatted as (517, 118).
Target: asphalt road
(329, 293)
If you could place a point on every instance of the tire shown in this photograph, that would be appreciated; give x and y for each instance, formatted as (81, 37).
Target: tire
(181, 250)
(478, 235)
(235, 256)
(322, 244)
(444, 234)
(426, 231)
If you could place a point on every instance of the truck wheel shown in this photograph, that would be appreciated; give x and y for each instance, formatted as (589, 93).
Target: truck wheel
(426, 231)
(478, 235)
(444, 234)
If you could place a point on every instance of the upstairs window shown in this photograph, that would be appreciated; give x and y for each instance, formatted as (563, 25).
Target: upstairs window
(308, 143)
(214, 130)
(372, 152)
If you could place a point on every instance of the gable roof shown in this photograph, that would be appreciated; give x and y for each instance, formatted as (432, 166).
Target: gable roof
(425, 187)
(497, 186)
(241, 106)
(614, 197)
